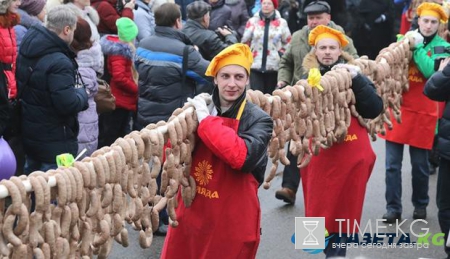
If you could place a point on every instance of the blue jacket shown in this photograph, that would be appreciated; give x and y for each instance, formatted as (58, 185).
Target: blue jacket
(50, 102)
(159, 60)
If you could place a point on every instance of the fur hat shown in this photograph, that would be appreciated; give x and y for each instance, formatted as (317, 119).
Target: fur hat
(33, 7)
(4, 4)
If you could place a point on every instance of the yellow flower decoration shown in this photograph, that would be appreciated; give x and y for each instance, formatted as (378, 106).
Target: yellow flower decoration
(314, 77)
(203, 172)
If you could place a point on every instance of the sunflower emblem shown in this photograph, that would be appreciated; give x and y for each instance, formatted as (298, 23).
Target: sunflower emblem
(203, 172)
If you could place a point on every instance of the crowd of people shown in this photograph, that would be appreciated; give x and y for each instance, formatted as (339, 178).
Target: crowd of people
(158, 54)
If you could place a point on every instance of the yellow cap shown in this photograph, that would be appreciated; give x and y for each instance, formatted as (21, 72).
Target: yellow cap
(236, 54)
(325, 32)
(432, 9)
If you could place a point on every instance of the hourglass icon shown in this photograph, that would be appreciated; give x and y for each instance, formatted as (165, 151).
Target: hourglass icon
(310, 239)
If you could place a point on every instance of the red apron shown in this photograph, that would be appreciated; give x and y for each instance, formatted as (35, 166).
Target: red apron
(419, 115)
(334, 182)
(224, 218)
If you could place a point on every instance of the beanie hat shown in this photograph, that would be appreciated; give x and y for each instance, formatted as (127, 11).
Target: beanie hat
(325, 32)
(82, 35)
(126, 29)
(432, 9)
(197, 9)
(275, 3)
(4, 4)
(236, 54)
(32, 7)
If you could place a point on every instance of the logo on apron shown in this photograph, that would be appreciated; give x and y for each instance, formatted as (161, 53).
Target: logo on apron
(203, 172)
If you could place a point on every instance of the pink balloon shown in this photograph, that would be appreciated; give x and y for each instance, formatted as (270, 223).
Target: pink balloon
(7, 160)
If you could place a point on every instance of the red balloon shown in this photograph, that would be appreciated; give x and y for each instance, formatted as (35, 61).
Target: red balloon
(7, 160)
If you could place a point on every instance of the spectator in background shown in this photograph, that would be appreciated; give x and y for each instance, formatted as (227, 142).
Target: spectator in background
(437, 89)
(31, 12)
(375, 30)
(196, 28)
(144, 19)
(220, 15)
(87, 12)
(120, 51)
(107, 10)
(239, 15)
(9, 18)
(88, 66)
(268, 36)
(53, 93)
(181, 3)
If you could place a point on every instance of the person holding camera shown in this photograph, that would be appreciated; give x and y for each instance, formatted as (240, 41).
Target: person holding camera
(419, 117)
(268, 36)
(209, 43)
(437, 89)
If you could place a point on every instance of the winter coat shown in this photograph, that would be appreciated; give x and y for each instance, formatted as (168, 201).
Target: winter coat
(220, 15)
(120, 66)
(437, 88)
(8, 54)
(159, 61)
(91, 16)
(291, 70)
(368, 104)
(239, 15)
(208, 42)
(26, 21)
(50, 103)
(108, 15)
(88, 119)
(144, 19)
(267, 48)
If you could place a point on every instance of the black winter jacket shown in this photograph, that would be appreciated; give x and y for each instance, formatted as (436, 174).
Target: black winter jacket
(4, 103)
(208, 42)
(159, 60)
(437, 88)
(255, 127)
(51, 102)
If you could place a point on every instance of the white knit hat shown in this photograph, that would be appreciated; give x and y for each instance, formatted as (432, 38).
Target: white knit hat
(4, 4)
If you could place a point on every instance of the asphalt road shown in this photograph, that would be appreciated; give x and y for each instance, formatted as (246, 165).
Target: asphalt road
(278, 221)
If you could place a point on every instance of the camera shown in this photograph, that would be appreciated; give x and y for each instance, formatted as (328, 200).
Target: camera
(440, 50)
(220, 34)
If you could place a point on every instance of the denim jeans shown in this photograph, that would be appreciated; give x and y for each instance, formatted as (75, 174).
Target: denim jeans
(443, 198)
(32, 165)
(420, 176)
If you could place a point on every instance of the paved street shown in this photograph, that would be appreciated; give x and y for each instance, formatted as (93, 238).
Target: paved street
(278, 222)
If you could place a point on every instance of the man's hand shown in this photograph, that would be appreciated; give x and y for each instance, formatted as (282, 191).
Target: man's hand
(200, 107)
(280, 84)
(209, 102)
(415, 38)
(224, 32)
(380, 19)
(444, 63)
(130, 4)
(352, 69)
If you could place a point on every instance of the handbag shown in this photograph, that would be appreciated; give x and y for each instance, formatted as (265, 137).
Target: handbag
(105, 100)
